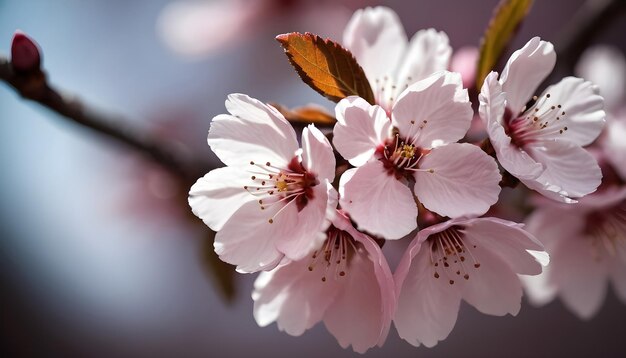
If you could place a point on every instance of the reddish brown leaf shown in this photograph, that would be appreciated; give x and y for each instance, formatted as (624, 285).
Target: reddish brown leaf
(307, 115)
(326, 67)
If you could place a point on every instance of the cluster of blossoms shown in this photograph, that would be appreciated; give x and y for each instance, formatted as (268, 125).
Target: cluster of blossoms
(278, 207)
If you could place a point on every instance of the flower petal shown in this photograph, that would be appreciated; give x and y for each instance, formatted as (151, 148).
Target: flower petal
(508, 241)
(524, 72)
(492, 106)
(293, 297)
(582, 281)
(570, 171)
(248, 240)
(307, 233)
(618, 278)
(605, 66)
(464, 180)
(317, 154)
(433, 111)
(579, 100)
(429, 51)
(220, 193)
(614, 145)
(361, 314)
(253, 132)
(378, 202)
(427, 307)
(377, 40)
(359, 130)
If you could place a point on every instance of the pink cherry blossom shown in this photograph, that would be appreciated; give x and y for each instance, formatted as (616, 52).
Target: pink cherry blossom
(417, 148)
(391, 62)
(347, 284)
(271, 198)
(588, 250)
(472, 259)
(542, 144)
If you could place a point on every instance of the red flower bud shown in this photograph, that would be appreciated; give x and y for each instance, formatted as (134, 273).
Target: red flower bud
(25, 54)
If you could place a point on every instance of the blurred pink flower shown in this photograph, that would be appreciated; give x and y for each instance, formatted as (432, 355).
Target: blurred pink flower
(377, 40)
(347, 284)
(472, 259)
(416, 145)
(542, 145)
(464, 61)
(271, 198)
(587, 250)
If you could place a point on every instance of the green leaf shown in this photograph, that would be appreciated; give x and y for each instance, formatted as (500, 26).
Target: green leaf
(326, 67)
(504, 23)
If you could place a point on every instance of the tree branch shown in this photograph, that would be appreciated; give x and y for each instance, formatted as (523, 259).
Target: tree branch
(33, 85)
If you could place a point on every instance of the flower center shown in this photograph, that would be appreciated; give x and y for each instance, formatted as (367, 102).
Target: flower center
(542, 120)
(334, 255)
(281, 186)
(607, 230)
(400, 157)
(448, 254)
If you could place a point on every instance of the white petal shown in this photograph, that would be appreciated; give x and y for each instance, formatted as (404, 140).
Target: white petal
(538, 289)
(605, 66)
(216, 196)
(515, 160)
(317, 154)
(582, 281)
(293, 297)
(359, 130)
(524, 72)
(253, 132)
(377, 40)
(493, 288)
(306, 234)
(359, 316)
(464, 180)
(434, 111)
(570, 171)
(248, 240)
(378, 202)
(508, 241)
(429, 51)
(579, 100)
(427, 306)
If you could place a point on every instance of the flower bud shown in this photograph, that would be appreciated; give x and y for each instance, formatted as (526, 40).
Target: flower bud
(25, 54)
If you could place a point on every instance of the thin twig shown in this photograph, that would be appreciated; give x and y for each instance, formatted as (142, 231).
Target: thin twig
(34, 86)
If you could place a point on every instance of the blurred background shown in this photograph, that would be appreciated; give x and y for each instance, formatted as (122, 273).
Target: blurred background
(99, 257)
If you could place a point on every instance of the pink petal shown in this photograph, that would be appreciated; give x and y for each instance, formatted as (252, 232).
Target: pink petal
(307, 231)
(253, 132)
(464, 62)
(378, 202)
(464, 180)
(508, 241)
(220, 193)
(434, 111)
(429, 51)
(359, 130)
(582, 281)
(493, 288)
(515, 160)
(605, 66)
(317, 154)
(361, 314)
(524, 72)
(618, 278)
(293, 297)
(377, 40)
(427, 307)
(538, 289)
(248, 240)
(570, 171)
(579, 100)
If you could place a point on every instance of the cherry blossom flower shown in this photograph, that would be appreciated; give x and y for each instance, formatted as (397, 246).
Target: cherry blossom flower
(272, 198)
(347, 284)
(472, 259)
(416, 145)
(541, 144)
(587, 251)
(377, 40)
